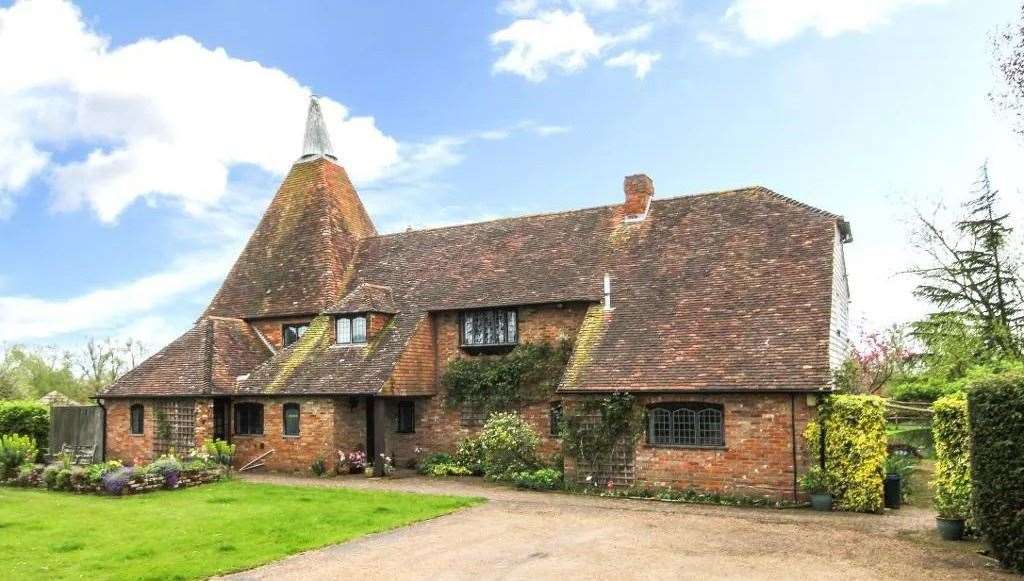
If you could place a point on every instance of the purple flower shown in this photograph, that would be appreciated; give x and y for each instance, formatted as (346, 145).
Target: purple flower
(171, 478)
(115, 480)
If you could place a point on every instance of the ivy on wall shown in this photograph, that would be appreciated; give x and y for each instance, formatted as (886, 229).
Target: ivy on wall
(530, 372)
(591, 429)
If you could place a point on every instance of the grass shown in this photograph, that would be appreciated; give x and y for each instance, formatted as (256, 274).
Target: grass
(192, 533)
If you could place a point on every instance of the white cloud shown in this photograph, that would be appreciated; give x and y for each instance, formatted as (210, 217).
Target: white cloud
(776, 21)
(161, 118)
(545, 130)
(28, 318)
(528, 7)
(555, 40)
(720, 44)
(640, 61)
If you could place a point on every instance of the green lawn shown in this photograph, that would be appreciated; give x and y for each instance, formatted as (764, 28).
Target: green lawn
(197, 532)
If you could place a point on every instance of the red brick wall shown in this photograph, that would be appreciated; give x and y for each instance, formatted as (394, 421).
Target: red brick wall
(291, 453)
(439, 428)
(133, 449)
(757, 458)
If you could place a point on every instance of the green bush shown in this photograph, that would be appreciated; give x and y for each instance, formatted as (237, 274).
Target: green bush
(164, 465)
(471, 455)
(95, 472)
(428, 463)
(855, 449)
(318, 467)
(814, 481)
(509, 445)
(447, 469)
(540, 479)
(27, 418)
(220, 452)
(15, 452)
(952, 457)
(997, 465)
(529, 372)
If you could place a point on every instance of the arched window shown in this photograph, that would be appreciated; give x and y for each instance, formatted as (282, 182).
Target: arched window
(291, 419)
(137, 418)
(686, 424)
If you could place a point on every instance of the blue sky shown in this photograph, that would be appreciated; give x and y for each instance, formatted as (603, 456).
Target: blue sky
(138, 146)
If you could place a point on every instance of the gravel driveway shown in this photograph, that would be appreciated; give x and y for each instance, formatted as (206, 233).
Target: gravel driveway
(529, 535)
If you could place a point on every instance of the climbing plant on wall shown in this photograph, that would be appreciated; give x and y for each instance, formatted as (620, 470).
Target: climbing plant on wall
(530, 372)
(591, 429)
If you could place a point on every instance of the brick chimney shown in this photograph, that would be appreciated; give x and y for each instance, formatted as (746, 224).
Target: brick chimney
(639, 190)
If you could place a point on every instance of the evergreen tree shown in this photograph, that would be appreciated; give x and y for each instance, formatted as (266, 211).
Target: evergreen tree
(974, 280)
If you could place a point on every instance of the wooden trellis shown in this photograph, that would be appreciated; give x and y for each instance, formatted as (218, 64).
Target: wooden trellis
(619, 467)
(175, 426)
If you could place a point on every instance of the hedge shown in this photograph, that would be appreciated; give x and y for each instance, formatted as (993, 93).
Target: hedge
(26, 418)
(855, 449)
(997, 465)
(952, 456)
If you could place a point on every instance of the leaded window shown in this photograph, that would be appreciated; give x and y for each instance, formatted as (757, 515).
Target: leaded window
(406, 417)
(290, 415)
(137, 421)
(351, 329)
(249, 419)
(686, 424)
(555, 418)
(292, 332)
(491, 327)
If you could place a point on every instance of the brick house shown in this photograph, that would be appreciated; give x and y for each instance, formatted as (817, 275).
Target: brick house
(722, 312)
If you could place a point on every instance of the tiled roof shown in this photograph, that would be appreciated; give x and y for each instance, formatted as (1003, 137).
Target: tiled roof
(295, 261)
(207, 359)
(316, 365)
(366, 297)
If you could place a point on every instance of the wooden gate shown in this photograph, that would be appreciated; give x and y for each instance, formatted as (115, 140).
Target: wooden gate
(78, 427)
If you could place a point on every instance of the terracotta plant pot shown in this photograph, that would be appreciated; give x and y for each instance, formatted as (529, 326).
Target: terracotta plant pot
(368, 471)
(950, 529)
(821, 501)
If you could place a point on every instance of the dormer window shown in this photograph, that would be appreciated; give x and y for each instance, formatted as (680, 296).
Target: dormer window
(351, 330)
(489, 328)
(292, 332)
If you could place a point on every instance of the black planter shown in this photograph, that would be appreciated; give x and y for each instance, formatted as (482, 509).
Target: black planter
(950, 529)
(893, 491)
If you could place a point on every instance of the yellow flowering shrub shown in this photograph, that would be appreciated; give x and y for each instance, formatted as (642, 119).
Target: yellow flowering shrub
(854, 447)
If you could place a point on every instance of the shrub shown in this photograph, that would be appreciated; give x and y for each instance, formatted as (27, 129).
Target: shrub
(855, 449)
(952, 457)
(115, 481)
(220, 452)
(471, 455)
(27, 418)
(540, 479)
(434, 459)
(29, 475)
(447, 469)
(529, 372)
(319, 466)
(95, 472)
(50, 476)
(509, 446)
(815, 481)
(997, 465)
(15, 452)
(167, 466)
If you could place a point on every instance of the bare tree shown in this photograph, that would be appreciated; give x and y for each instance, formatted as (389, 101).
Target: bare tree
(1008, 52)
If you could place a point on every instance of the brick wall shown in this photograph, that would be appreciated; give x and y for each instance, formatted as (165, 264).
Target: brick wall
(271, 329)
(133, 449)
(438, 428)
(291, 453)
(757, 458)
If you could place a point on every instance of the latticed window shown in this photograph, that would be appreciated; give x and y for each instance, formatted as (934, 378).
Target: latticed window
(249, 419)
(290, 414)
(489, 328)
(406, 417)
(686, 424)
(352, 329)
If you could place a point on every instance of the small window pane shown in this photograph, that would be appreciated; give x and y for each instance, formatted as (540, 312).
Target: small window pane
(293, 332)
(291, 419)
(249, 419)
(344, 330)
(490, 327)
(686, 424)
(137, 419)
(555, 417)
(406, 417)
(359, 330)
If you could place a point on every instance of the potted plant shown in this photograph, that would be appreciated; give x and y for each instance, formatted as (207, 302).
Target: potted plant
(952, 515)
(815, 482)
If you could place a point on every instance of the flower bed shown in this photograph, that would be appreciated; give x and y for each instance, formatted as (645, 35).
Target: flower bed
(122, 481)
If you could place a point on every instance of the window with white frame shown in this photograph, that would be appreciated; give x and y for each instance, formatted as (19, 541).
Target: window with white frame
(351, 330)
